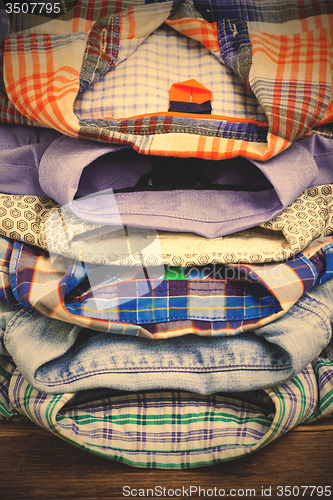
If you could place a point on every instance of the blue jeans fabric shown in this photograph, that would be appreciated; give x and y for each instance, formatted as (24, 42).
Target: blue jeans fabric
(58, 357)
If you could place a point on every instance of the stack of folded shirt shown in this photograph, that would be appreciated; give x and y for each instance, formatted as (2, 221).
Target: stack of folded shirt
(166, 221)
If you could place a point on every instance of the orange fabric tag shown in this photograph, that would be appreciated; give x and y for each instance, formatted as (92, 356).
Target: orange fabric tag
(190, 91)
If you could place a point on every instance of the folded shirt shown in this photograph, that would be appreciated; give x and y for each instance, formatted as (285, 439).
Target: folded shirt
(114, 185)
(209, 428)
(208, 300)
(54, 356)
(42, 222)
(177, 78)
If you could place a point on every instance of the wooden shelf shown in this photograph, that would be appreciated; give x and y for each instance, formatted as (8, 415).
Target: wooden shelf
(37, 465)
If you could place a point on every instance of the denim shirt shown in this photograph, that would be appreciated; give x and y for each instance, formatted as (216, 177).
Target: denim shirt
(55, 356)
(179, 429)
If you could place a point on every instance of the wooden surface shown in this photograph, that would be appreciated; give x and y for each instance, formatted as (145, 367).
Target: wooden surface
(36, 465)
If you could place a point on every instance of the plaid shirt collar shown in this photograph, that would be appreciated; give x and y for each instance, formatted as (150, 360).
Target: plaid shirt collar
(269, 49)
(218, 300)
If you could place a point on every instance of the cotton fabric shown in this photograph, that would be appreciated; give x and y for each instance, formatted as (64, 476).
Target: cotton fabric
(172, 429)
(270, 100)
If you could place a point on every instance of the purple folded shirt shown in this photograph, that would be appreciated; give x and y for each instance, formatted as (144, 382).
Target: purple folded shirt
(211, 198)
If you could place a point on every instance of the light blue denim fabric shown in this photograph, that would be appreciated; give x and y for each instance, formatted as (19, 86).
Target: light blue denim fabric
(58, 357)
(8, 313)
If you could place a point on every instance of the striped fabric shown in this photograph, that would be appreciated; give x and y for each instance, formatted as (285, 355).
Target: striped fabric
(7, 412)
(211, 300)
(269, 66)
(173, 429)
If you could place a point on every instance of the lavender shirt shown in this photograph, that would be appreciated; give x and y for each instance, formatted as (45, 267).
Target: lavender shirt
(211, 198)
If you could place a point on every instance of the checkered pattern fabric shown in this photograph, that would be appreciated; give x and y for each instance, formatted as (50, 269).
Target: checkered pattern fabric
(173, 429)
(269, 66)
(213, 300)
(141, 86)
(7, 412)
